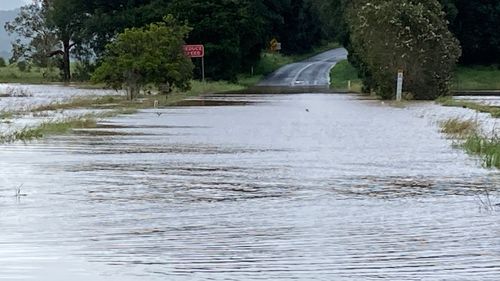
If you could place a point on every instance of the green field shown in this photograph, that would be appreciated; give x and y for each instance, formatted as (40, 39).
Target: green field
(477, 78)
(36, 75)
(466, 78)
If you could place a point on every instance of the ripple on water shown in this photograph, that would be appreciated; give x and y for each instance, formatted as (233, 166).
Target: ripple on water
(265, 191)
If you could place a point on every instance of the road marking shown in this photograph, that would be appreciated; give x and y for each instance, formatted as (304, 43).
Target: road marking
(294, 80)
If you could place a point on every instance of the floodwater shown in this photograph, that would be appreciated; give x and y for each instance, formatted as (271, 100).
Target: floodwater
(20, 99)
(273, 187)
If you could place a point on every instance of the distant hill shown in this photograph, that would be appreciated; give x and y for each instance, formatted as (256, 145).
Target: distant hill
(5, 40)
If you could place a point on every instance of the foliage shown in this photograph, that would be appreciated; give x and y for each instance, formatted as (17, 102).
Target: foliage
(149, 55)
(36, 40)
(2, 62)
(47, 31)
(488, 148)
(342, 73)
(107, 18)
(232, 32)
(66, 20)
(332, 14)
(475, 23)
(409, 35)
(23, 66)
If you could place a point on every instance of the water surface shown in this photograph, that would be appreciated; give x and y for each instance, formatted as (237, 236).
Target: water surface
(291, 187)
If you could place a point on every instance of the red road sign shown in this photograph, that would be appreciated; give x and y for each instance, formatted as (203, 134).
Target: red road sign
(194, 51)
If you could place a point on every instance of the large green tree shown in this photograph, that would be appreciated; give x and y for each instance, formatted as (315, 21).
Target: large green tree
(407, 35)
(66, 19)
(107, 18)
(148, 55)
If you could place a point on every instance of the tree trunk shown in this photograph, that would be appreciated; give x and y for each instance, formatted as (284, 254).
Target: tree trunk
(66, 62)
(132, 85)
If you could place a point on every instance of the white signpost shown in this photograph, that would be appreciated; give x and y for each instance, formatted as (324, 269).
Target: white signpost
(399, 86)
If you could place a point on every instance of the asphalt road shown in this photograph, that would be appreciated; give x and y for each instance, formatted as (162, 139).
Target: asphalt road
(314, 71)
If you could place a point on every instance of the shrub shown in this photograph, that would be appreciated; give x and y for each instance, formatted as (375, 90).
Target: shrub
(407, 35)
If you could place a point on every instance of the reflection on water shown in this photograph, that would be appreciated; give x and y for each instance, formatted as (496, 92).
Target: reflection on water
(348, 190)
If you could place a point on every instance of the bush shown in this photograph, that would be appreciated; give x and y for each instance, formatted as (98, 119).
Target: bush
(407, 35)
(133, 60)
(2, 62)
(23, 66)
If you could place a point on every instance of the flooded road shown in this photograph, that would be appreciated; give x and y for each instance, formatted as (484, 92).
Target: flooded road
(286, 187)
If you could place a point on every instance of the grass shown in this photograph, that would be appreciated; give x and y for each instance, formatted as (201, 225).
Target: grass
(468, 134)
(6, 115)
(12, 74)
(477, 78)
(78, 103)
(487, 148)
(491, 109)
(342, 73)
(459, 128)
(50, 128)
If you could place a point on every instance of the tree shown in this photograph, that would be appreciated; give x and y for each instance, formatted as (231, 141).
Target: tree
(475, 24)
(301, 29)
(407, 35)
(65, 18)
(233, 32)
(36, 39)
(148, 55)
(107, 18)
(47, 29)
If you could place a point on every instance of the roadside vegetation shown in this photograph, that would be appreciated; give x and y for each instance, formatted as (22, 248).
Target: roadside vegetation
(468, 136)
(344, 73)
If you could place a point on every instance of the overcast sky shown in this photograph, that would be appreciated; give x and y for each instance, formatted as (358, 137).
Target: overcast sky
(12, 4)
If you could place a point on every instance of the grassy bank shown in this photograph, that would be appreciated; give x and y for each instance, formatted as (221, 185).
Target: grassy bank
(341, 74)
(468, 136)
(466, 78)
(448, 101)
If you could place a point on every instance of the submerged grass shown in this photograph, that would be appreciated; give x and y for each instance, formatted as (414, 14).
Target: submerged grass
(49, 128)
(6, 115)
(468, 136)
(114, 105)
(487, 148)
(459, 128)
(491, 109)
